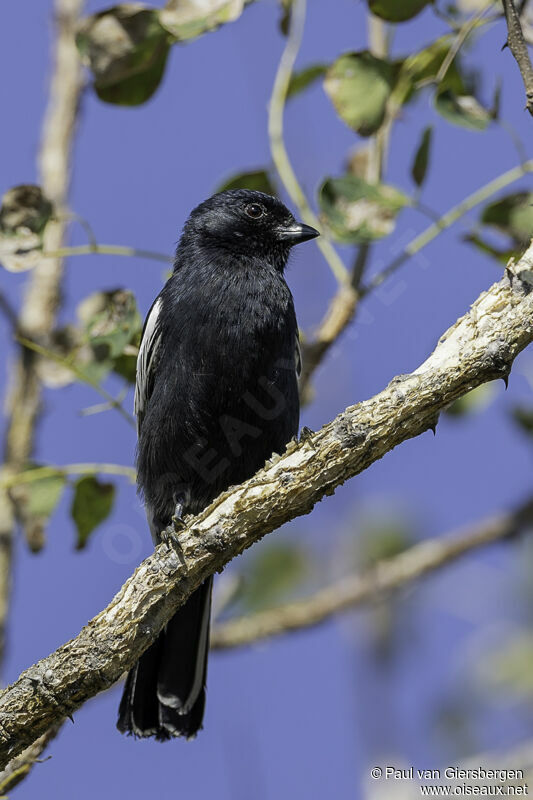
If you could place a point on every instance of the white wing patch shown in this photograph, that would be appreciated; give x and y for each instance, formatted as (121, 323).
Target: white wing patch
(147, 350)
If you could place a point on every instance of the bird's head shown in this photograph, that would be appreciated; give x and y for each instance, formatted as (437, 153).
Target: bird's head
(246, 223)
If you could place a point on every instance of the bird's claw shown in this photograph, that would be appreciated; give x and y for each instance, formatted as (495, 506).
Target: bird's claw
(178, 524)
(170, 534)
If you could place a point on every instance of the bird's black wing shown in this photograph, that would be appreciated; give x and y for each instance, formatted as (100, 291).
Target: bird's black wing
(147, 361)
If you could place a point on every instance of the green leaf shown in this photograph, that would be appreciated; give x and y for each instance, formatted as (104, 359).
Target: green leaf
(111, 320)
(426, 63)
(463, 110)
(37, 501)
(137, 89)
(64, 343)
(91, 505)
(511, 215)
(107, 339)
(421, 159)
(421, 69)
(126, 49)
(24, 214)
(397, 10)
(272, 575)
(359, 85)
(306, 77)
(523, 416)
(256, 180)
(357, 211)
(44, 495)
(126, 367)
(500, 254)
(187, 19)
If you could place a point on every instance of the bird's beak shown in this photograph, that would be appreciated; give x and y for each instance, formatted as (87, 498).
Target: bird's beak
(296, 233)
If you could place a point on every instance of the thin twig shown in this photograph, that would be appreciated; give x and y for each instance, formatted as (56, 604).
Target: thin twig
(277, 144)
(360, 590)
(53, 471)
(515, 138)
(449, 218)
(79, 374)
(518, 47)
(344, 303)
(463, 32)
(38, 312)
(72, 216)
(378, 41)
(105, 250)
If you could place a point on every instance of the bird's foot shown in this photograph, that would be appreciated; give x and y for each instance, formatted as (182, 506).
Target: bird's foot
(170, 534)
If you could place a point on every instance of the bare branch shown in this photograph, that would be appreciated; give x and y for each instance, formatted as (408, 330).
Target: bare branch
(80, 374)
(518, 47)
(359, 590)
(95, 248)
(52, 471)
(38, 312)
(481, 346)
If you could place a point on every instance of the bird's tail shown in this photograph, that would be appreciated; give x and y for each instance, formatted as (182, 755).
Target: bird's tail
(164, 693)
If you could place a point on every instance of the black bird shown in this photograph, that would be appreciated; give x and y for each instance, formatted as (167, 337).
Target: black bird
(216, 395)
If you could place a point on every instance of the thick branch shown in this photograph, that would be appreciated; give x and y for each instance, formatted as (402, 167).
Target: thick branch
(479, 347)
(518, 47)
(358, 590)
(37, 315)
(38, 312)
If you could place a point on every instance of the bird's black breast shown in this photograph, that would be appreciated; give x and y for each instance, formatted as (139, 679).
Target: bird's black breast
(224, 393)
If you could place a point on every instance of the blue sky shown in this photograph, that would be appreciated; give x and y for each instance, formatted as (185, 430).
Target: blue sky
(308, 714)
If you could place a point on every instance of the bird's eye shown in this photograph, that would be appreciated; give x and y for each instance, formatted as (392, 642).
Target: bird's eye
(254, 210)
